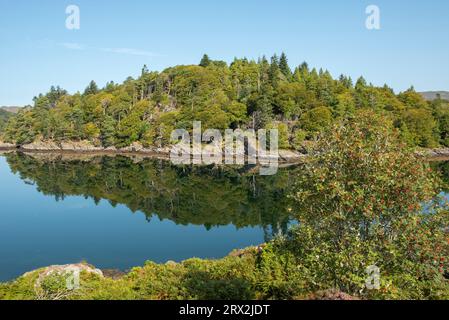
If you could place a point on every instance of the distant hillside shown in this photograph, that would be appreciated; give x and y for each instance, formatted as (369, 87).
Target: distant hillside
(11, 109)
(432, 95)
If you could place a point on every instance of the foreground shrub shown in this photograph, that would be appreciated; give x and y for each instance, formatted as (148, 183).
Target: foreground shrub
(365, 200)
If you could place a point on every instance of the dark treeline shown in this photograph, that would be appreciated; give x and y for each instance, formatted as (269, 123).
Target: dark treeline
(246, 94)
(209, 196)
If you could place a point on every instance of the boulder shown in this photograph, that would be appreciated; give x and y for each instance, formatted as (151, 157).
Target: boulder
(78, 267)
(69, 273)
(67, 269)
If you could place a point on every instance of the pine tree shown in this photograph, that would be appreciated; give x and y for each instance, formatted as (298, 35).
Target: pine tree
(345, 81)
(92, 88)
(361, 83)
(205, 61)
(284, 67)
(264, 70)
(144, 70)
(54, 94)
(274, 70)
(304, 67)
(107, 131)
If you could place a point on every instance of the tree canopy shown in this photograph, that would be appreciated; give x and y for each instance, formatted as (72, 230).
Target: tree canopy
(245, 94)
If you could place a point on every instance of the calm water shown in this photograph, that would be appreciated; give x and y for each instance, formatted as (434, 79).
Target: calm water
(117, 213)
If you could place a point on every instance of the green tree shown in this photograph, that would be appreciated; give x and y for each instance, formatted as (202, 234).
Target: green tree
(205, 61)
(274, 71)
(107, 131)
(261, 108)
(421, 125)
(360, 202)
(412, 99)
(284, 67)
(91, 131)
(316, 120)
(92, 88)
(4, 118)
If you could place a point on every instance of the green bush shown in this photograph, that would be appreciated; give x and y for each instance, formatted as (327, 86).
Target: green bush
(360, 202)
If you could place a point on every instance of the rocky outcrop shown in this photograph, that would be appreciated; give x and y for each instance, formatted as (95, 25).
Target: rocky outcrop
(163, 150)
(134, 147)
(5, 145)
(285, 156)
(66, 269)
(79, 146)
(79, 267)
(83, 146)
(65, 283)
(435, 153)
(41, 146)
(291, 156)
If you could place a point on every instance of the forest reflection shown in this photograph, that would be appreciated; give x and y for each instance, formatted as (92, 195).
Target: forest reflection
(209, 196)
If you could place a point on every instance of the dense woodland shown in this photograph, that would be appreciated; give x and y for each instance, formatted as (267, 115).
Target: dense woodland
(4, 117)
(245, 94)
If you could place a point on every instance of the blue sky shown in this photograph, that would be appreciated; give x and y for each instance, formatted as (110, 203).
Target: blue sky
(117, 37)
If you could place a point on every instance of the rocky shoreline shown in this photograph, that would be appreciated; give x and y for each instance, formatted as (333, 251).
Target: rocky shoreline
(435, 154)
(86, 147)
(6, 146)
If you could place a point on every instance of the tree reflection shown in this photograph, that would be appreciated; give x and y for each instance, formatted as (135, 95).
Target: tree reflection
(209, 196)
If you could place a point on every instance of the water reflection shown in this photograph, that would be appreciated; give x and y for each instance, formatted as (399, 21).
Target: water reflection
(60, 209)
(442, 168)
(208, 196)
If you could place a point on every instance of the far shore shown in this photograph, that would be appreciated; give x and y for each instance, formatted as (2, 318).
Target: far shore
(285, 156)
(136, 149)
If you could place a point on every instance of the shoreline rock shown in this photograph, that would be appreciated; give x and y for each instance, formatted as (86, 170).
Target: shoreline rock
(434, 153)
(87, 147)
(6, 145)
(65, 269)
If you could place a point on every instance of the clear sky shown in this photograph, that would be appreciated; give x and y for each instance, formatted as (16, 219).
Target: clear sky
(118, 37)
